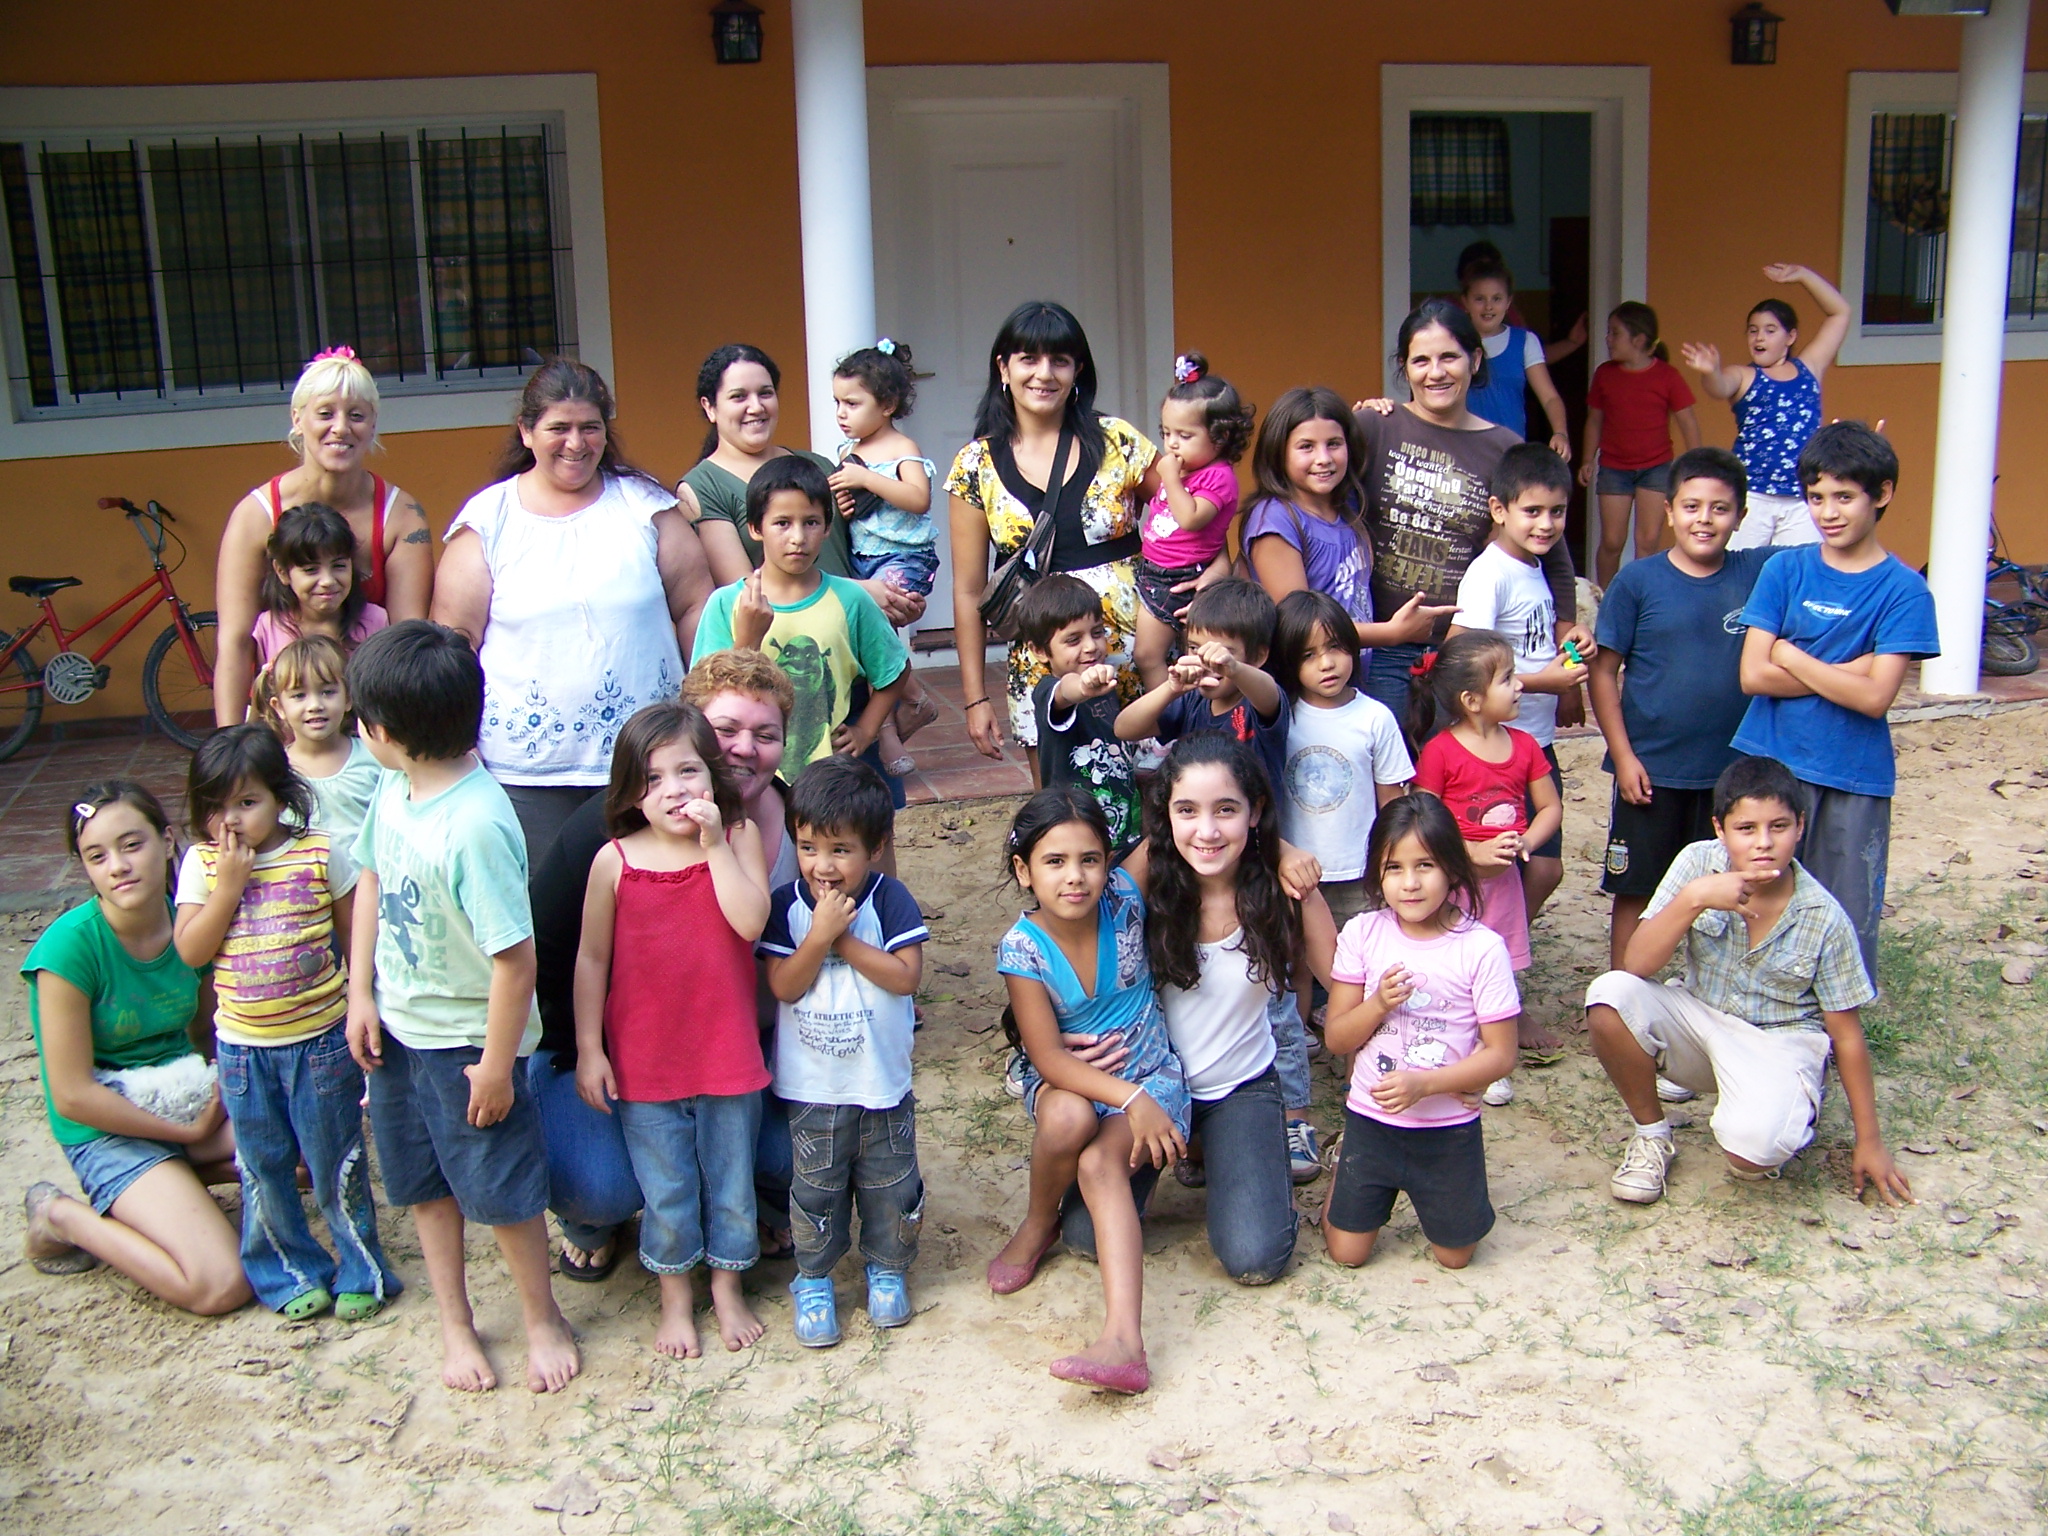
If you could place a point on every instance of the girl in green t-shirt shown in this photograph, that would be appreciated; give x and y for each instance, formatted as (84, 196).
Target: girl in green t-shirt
(106, 989)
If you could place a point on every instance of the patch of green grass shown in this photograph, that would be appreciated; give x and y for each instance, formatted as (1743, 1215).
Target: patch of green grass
(1762, 1506)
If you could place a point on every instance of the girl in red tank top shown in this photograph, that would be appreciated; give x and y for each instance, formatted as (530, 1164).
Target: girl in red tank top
(665, 1022)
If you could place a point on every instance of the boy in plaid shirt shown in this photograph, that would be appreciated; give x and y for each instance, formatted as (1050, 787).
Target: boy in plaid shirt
(1773, 981)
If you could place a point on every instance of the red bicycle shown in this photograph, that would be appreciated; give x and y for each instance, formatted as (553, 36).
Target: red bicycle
(177, 674)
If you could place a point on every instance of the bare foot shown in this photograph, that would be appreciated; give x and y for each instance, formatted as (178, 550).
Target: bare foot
(1531, 1036)
(737, 1324)
(552, 1359)
(464, 1366)
(677, 1335)
(586, 1258)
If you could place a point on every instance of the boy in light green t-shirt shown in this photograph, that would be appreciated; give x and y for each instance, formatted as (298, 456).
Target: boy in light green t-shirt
(824, 631)
(442, 1018)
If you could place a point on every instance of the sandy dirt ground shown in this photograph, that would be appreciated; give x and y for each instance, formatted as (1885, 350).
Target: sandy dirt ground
(1738, 1359)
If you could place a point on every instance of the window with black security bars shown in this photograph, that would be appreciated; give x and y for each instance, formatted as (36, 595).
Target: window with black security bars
(156, 270)
(1905, 249)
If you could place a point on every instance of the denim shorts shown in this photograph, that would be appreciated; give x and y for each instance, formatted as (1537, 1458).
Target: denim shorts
(915, 570)
(107, 1165)
(1155, 590)
(428, 1150)
(1626, 482)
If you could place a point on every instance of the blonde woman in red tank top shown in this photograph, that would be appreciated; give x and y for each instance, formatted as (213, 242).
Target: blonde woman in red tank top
(334, 427)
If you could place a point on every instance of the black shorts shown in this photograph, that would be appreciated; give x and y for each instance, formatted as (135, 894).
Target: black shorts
(1553, 846)
(1155, 589)
(1442, 1169)
(1642, 840)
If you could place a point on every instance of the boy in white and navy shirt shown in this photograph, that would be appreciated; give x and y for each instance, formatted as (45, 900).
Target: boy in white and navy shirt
(845, 952)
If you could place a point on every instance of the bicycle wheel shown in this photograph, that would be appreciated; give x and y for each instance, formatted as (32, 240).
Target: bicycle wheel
(2008, 650)
(178, 696)
(21, 707)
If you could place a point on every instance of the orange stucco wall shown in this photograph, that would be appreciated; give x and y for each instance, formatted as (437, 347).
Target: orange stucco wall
(1276, 199)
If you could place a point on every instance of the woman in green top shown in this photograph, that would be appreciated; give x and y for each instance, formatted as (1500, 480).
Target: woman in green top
(739, 391)
(106, 989)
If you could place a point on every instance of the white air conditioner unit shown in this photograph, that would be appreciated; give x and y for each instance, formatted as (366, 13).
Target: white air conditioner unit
(1940, 7)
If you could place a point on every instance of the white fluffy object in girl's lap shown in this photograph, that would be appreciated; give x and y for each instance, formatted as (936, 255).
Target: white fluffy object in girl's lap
(177, 1090)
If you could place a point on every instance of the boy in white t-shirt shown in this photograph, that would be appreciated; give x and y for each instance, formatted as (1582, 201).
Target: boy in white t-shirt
(845, 952)
(1504, 590)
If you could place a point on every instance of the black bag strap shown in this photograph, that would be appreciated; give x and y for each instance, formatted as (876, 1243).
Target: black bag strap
(1043, 529)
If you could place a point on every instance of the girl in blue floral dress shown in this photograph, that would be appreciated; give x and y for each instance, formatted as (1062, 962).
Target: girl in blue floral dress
(1094, 1125)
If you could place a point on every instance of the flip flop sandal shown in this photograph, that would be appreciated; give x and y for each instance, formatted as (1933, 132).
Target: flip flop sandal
(306, 1306)
(1542, 1058)
(71, 1260)
(921, 714)
(901, 766)
(568, 1269)
(777, 1243)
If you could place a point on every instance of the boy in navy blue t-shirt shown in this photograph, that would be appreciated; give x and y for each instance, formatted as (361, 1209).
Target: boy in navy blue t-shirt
(1831, 629)
(1671, 625)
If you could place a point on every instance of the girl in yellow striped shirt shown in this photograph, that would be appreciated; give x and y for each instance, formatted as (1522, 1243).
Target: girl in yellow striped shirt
(265, 900)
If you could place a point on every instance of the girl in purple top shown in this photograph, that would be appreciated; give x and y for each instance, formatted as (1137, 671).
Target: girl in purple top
(1204, 428)
(1306, 531)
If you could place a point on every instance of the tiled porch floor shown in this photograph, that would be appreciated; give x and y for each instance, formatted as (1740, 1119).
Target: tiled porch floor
(37, 785)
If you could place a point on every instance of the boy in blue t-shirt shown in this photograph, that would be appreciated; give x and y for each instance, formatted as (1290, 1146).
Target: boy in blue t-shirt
(440, 1009)
(1672, 623)
(1831, 628)
(824, 631)
(845, 952)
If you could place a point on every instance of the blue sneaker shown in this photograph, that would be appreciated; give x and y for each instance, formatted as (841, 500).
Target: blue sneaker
(817, 1311)
(888, 1297)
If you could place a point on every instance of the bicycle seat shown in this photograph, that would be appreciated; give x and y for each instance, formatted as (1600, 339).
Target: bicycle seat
(40, 586)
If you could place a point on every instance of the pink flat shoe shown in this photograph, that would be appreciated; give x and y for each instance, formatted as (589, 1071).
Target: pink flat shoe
(1128, 1379)
(1004, 1279)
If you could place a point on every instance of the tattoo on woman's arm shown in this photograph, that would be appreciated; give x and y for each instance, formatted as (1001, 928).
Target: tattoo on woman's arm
(418, 536)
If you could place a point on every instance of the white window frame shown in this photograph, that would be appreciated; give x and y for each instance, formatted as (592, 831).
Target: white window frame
(1878, 91)
(566, 102)
(1618, 99)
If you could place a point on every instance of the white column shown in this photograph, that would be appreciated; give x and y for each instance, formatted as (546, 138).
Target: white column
(1989, 91)
(832, 186)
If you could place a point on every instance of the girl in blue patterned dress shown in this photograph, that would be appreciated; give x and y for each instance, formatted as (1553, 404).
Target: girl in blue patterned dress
(1094, 1125)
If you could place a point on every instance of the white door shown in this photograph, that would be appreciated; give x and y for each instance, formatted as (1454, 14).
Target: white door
(983, 202)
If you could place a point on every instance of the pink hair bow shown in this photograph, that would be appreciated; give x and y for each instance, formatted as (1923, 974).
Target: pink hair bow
(1185, 371)
(346, 353)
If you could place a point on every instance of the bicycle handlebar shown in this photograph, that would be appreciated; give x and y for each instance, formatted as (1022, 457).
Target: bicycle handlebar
(156, 508)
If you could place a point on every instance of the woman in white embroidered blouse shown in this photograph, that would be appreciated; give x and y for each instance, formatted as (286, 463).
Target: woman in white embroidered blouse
(580, 584)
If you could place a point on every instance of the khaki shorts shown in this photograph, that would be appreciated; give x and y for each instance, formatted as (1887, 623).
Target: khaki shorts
(1779, 521)
(1769, 1080)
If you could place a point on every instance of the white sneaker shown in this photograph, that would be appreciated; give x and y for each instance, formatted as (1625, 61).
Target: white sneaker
(1498, 1092)
(1671, 1093)
(1148, 756)
(1640, 1178)
(1304, 1154)
(1013, 1074)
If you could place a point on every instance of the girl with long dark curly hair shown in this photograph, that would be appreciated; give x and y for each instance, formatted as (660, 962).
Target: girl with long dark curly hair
(1226, 938)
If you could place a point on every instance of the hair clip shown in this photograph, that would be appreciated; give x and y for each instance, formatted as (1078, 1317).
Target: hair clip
(347, 354)
(1185, 370)
(1425, 666)
(83, 812)
(886, 347)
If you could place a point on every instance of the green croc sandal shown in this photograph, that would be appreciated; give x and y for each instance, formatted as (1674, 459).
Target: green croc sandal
(356, 1306)
(306, 1306)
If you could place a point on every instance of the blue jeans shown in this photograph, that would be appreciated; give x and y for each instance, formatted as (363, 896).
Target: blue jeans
(1290, 1049)
(845, 1154)
(774, 1158)
(1386, 677)
(288, 1102)
(1251, 1198)
(591, 1188)
(694, 1159)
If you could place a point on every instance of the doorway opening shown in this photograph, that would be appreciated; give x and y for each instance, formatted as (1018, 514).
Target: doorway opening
(1522, 184)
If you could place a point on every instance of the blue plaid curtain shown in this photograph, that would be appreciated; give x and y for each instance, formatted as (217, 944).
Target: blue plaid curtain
(1458, 171)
